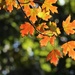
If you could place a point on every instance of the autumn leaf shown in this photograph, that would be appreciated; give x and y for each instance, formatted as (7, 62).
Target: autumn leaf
(27, 10)
(68, 48)
(26, 29)
(53, 56)
(41, 27)
(30, 10)
(44, 14)
(33, 14)
(44, 29)
(10, 4)
(69, 27)
(48, 5)
(25, 2)
(49, 30)
(53, 27)
(45, 39)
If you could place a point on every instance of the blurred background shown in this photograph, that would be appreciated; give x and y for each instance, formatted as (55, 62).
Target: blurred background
(23, 55)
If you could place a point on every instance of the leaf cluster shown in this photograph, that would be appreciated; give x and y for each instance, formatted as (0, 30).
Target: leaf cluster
(47, 30)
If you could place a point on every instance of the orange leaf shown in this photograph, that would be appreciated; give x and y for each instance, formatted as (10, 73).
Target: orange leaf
(27, 10)
(42, 27)
(26, 28)
(68, 48)
(53, 56)
(48, 5)
(45, 39)
(33, 14)
(10, 4)
(49, 30)
(69, 27)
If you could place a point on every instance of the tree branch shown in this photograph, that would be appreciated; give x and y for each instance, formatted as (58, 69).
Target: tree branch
(31, 21)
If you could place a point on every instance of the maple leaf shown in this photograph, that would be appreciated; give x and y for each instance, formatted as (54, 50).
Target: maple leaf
(27, 5)
(69, 27)
(33, 14)
(10, 4)
(44, 14)
(42, 27)
(50, 29)
(53, 27)
(45, 39)
(26, 28)
(27, 10)
(48, 5)
(32, 11)
(68, 48)
(10, 8)
(53, 56)
(46, 36)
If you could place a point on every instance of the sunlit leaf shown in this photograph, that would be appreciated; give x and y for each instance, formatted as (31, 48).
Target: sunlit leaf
(68, 48)
(33, 14)
(69, 27)
(31, 11)
(53, 27)
(26, 29)
(10, 4)
(44, 15)
(48, 5)
(53, 56)
(41, 27)
(45, 39)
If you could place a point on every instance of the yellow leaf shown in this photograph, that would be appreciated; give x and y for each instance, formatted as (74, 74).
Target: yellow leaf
(48, 5)
(69, 27)
(44, 15)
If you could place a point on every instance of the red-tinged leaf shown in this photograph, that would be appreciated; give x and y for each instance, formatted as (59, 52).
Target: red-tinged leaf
(53, 56)
(26, 29)
(69, 27)
(68, 48)
(45, 39)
